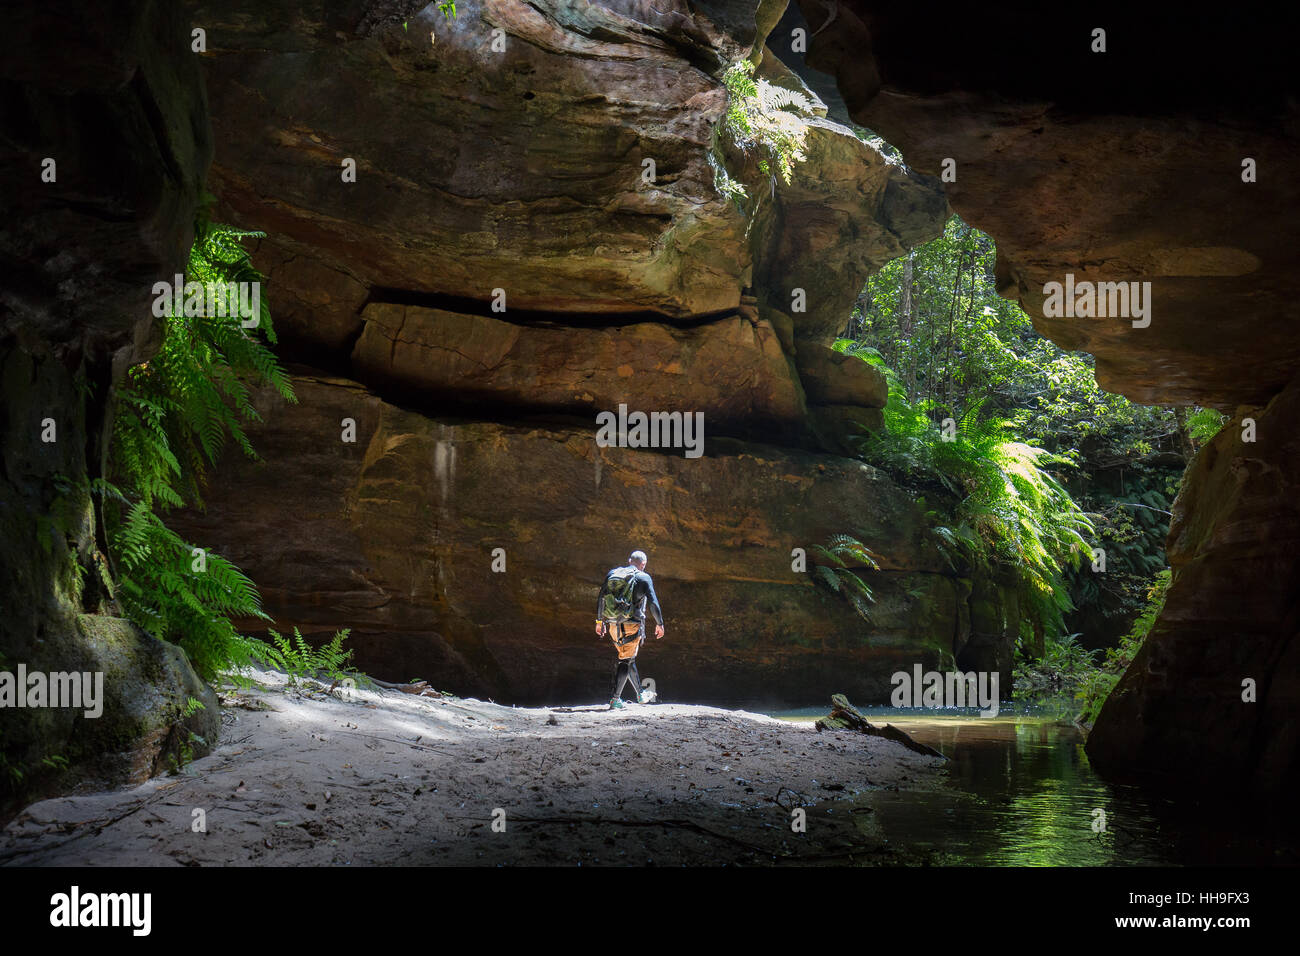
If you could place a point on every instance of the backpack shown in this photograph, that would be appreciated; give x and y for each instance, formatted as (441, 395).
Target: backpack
(617, 604)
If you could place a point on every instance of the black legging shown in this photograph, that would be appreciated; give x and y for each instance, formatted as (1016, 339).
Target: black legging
(626, 671)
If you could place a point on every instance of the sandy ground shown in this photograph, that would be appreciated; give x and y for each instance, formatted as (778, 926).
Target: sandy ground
(301, 777)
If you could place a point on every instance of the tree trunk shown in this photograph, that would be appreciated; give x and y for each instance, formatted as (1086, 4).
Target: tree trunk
(905, 325)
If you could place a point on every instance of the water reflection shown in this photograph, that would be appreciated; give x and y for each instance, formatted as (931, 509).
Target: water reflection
(1020, 792)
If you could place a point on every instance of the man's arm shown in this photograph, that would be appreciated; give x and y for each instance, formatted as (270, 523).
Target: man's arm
(600, 600)
(652, 601)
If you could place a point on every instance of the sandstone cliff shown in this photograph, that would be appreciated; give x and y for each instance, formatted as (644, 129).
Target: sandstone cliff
(514, 173)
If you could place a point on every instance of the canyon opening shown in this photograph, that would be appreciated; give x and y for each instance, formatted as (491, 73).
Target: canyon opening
(702, 433)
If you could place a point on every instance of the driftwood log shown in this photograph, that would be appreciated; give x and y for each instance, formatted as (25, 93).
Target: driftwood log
(420, 688)
(844, 716)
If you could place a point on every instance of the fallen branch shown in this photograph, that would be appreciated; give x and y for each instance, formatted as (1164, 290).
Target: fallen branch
(844, 716)
(419, 688)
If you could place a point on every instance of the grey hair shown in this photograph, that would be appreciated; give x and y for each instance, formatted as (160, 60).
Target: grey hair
(638, 557)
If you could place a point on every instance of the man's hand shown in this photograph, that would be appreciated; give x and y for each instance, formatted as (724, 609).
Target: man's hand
(600, 628)
(659, 631)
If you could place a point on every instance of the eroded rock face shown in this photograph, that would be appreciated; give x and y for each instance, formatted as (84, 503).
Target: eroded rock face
(1232, 615)
(517, 177)
(1128, 166)
(477, 169)
(394, 537)
(833, 378)
(843, 215)
(732, 369)
(117, 104)
(1116, 166)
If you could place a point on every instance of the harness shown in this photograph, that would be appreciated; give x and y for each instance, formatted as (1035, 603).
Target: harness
(627, 637)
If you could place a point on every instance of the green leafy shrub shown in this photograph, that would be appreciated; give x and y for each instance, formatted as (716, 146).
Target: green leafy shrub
(1065, 667)
(933, 322)
(1009, 507)
(1204, 423)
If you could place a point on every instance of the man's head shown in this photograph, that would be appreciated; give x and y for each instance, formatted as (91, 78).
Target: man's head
(638, 560)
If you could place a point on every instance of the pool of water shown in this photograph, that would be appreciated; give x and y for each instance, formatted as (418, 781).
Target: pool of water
(1020, 792)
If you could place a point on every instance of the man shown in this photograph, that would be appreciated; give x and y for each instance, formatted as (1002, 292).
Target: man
(620, 614)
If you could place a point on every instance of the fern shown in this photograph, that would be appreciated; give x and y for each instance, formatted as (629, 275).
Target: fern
(1204, 423)
(174, 415)
(1010, 509)
(298, 659)
(1102, 681)
(762, 118)
(771, 97)
(840, 557)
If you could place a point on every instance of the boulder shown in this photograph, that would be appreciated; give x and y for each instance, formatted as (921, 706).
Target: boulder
(1232, 616)
(833, 378)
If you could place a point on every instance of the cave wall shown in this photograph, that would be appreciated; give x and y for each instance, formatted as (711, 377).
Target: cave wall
(118, 104)
(519, 168)
(395, 535)
(1219, 667)
(1127, 165)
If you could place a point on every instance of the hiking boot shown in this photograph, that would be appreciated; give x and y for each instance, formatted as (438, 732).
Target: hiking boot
(615, 704)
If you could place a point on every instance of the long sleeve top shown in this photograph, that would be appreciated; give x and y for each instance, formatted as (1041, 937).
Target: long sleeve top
(643, 597)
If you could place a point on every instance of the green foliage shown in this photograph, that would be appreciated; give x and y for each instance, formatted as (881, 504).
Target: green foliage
(1009, 507)
(176, 410)
(173, 416)
(840, 559)
(1204, 423)
(1065, 667)
(1102, 680)
(761, 119)
(877, 142)
(178, 596)
(951, 347)
(954, 341)
(298, 659)
(185, 756)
